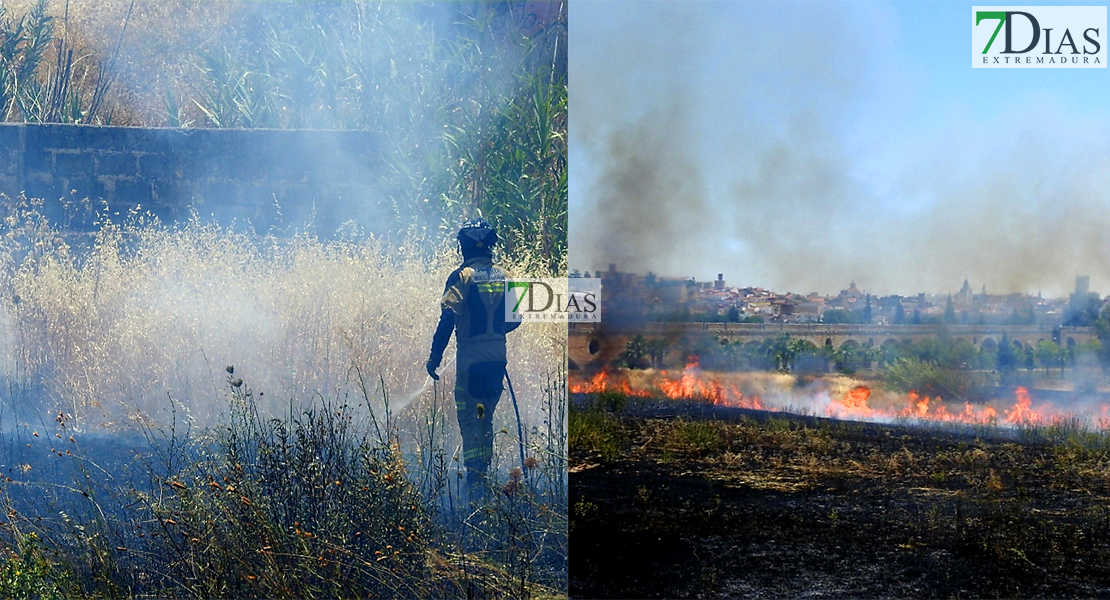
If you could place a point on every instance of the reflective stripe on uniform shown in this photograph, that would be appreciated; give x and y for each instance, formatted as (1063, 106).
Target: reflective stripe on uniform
(478, 452)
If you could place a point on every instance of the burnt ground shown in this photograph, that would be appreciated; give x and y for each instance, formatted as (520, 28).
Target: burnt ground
(700, 503)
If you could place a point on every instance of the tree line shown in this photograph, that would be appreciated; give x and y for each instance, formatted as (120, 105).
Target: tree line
(937, 366)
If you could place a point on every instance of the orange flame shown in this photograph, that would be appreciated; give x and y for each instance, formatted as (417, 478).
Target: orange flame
(854, 404)
(690, 384)
(857, 403)
(603, 381)
(919, 406)
(1022, 413)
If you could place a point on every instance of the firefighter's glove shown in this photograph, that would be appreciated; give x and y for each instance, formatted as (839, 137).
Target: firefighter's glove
(432, 365)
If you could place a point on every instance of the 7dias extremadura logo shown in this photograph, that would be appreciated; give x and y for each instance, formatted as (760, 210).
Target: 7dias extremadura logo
(1038, 37)
(574, 300)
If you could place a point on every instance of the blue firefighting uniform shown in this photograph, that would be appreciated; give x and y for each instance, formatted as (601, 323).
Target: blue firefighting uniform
(473, 305)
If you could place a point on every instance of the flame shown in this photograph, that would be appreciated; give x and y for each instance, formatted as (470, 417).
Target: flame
(854, 404)
(1022, 413)
(934, 409)
(858, 403)
(593, 386)
(603, 381)
(919, 406)
(691, 383)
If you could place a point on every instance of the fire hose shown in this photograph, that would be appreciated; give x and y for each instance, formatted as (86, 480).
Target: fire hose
(516, 409)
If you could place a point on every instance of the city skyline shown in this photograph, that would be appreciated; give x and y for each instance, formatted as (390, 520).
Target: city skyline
(976, 289)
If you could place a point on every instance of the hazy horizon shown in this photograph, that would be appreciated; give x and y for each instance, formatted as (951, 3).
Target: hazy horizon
(832, 293)
(802, 146)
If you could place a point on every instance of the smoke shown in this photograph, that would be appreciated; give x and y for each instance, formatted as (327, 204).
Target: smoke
(431, 80)
(803, 146)
(649, 176)
(147, 316)
(847, 398)
(141, 328)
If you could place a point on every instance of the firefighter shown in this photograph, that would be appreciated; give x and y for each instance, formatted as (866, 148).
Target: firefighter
(473, 305)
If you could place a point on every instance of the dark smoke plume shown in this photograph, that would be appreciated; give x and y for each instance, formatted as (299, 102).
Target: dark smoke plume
(803, 146)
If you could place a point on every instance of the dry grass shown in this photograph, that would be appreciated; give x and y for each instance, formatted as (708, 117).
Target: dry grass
(131, 330)
(107, 332)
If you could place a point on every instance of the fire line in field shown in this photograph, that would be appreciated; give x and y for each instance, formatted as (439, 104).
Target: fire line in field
(857, 403)
(689, 384)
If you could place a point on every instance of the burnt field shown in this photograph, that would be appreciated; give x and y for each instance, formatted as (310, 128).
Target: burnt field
(674, 499)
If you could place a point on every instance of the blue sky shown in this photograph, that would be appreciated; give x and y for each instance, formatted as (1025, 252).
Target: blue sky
(800, 146)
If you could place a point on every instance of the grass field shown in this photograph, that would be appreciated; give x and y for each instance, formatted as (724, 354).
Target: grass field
(682, 499)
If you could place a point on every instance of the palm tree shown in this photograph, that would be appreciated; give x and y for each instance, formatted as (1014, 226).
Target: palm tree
(635, 351)
(657, 349)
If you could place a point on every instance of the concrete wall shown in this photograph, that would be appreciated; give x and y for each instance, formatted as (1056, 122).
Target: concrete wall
(221, 173)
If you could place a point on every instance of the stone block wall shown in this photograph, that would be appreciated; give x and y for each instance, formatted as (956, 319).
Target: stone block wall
(269, 178)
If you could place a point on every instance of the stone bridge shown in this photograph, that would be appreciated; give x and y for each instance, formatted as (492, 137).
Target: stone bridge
(596, 344)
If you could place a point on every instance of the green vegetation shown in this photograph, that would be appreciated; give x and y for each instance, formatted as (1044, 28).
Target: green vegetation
(694, 438)
(28, 573)
(1049, 355)
(838, 316)
(595, 428)
(470, 100)
(1102, 330)
(318, 501)
(44, 78)
(930, 379)
(641, 352)
(635, 351)
(781, 353)
(941, 365)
